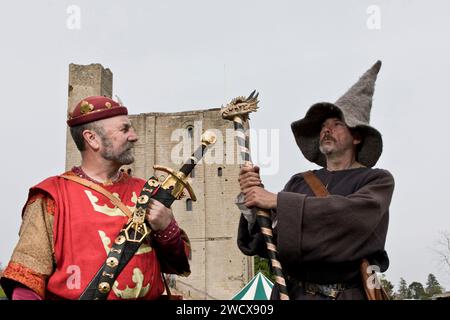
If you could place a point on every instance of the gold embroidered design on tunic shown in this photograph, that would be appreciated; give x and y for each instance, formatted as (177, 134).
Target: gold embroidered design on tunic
(135, 292)
(105, 209)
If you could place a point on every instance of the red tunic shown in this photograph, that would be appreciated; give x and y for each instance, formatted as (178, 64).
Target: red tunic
(85, 225)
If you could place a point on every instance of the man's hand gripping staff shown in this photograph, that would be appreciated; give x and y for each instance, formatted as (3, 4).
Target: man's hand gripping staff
(237, 111)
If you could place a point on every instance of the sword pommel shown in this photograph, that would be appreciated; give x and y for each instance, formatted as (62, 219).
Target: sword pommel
(177, 181)
(208, 138)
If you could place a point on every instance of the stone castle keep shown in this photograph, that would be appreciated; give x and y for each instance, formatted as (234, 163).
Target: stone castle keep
(218, 268)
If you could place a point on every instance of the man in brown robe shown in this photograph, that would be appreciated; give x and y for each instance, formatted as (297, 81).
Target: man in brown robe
(321, 241)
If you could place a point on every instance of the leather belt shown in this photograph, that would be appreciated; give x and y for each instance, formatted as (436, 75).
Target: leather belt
(330, 290)
(327, 290)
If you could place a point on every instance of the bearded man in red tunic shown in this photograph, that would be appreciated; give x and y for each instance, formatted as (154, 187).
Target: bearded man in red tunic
(68, 229)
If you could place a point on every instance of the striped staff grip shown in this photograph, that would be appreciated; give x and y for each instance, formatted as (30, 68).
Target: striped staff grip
(265, 223)
(262, 216)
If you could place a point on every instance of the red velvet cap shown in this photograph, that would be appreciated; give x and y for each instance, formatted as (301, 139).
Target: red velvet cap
(95, 108)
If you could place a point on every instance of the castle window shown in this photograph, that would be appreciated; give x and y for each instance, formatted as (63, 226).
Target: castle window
(219, 172)
(188, 205)
(193, 173)
(190, 130)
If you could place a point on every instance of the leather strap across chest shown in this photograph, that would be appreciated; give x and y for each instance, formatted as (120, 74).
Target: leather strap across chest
(94, 186)
(315, 184)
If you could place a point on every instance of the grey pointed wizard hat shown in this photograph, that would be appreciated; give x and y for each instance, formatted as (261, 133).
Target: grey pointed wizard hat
(354, 109)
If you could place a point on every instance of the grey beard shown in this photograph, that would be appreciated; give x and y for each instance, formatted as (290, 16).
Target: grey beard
(324, 150)
(330, 153)
(124, 158)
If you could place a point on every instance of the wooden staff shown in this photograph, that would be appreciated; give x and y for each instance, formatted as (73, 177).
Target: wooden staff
(237, 111)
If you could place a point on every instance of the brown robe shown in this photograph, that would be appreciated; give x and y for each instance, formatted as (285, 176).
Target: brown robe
(322, 240)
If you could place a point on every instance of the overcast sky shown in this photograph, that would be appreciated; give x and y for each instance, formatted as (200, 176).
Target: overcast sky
(170, 56)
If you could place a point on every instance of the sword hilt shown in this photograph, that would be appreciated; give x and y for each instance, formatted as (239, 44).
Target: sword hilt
(176, 181)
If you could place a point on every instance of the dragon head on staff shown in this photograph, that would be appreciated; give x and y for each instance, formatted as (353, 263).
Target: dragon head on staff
(240, 107)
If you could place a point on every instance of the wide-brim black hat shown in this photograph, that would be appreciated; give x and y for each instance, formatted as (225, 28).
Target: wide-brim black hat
(354, 109)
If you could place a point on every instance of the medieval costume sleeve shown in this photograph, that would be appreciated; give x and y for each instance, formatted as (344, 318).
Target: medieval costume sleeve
(336, 229)
(173, 249)
(32, 260)
(250, 239)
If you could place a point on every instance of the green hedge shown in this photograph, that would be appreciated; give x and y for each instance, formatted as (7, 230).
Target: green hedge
(262, 265)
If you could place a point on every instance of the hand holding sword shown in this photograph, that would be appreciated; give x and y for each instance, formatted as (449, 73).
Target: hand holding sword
(155, 194)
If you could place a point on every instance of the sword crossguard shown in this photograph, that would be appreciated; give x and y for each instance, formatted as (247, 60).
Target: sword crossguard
(176, 182)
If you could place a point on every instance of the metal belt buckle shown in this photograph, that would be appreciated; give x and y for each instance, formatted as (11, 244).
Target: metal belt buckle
(138, 225)
(332, 293)
(310, 292)
(139, 229)
(309, 288)
(329, 291)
